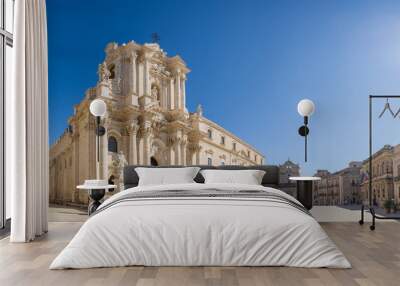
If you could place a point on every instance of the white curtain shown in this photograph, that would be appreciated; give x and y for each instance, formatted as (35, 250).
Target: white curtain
(27, 124)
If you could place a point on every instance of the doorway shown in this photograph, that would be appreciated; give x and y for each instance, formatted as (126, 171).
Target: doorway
(153, 161)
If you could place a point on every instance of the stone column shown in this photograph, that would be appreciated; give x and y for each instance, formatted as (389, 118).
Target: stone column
(146, 153)
(184, 162)
(171, 156)
(133, 79)
(147, 84)
(133, 72)
(178, 153)
(183, 92)
(75, 161)
(183, 150)
(118, 67)
(144, 142)
(165, 97)
(171, 152)
(192, 156)
(177, 90)
(125, 150)
(140, 83)
(171, 94)
(141, 149)
(133, 128)
(198, 149)
(162, 94)
(103, 89)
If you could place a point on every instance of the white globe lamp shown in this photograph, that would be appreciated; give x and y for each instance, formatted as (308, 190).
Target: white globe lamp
(305, 107)
(98, 108)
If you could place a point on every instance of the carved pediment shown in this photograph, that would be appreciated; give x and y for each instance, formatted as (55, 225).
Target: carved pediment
(160, 70)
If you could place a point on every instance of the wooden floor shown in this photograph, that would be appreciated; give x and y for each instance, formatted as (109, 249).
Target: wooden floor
(375, 257)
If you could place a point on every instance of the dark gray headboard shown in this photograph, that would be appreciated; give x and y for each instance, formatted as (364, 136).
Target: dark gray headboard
(270, 179)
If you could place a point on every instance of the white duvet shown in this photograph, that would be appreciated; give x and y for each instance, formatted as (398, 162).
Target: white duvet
(193, 231)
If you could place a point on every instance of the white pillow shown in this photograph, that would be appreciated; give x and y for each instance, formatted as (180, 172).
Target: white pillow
(248, 177)
(166, 176)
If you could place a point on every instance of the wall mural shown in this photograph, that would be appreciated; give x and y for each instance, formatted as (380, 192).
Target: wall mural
(227, 99)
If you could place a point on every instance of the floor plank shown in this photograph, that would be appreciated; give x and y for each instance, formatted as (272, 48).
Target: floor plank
(375, 257)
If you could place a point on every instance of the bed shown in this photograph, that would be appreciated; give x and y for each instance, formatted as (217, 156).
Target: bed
(198, 224)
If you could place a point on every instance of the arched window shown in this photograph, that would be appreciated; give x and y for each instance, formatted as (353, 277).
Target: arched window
(112, 144)
(112, 71)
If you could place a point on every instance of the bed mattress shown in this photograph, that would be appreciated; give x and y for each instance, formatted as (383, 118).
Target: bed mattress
(201, 225)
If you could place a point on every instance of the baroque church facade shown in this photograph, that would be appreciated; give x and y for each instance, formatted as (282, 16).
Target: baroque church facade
(147, 123)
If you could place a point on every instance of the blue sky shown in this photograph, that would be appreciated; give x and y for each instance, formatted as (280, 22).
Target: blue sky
(251, 62)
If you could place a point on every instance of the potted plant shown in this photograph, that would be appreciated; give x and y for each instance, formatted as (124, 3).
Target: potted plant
(393, 206)
(388, 205)
(396, 207)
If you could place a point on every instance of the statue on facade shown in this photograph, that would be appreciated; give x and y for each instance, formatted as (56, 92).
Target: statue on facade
(154, 92)
(199, 110)
(122, 160)
(117, 163)
(103, 72)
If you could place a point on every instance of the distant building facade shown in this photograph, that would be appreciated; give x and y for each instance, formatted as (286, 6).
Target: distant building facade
(147, 123)
(396, 174)
(339, 188)
(286, 170)
(382, 176)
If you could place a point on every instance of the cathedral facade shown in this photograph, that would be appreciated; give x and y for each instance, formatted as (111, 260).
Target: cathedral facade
(147, 123)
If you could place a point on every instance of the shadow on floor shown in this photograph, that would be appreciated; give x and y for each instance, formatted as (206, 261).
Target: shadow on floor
(67, 214)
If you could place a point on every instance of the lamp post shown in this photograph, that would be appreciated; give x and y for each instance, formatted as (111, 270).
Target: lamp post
(98, 109)
(305, 108)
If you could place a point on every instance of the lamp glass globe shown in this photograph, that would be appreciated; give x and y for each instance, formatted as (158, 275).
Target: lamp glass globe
(98, 107)
(305, 107)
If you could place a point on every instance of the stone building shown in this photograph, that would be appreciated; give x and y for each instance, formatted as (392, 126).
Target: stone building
(339, 188)
(396, 174)
(382, 176)
(147, 123)
(286, 170)
(321, 196)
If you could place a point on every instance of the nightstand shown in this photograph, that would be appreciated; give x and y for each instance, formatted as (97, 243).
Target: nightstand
(305, 190)
(96, 192)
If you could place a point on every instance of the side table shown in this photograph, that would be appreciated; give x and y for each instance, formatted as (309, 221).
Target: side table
(305, 190)
(96, 193)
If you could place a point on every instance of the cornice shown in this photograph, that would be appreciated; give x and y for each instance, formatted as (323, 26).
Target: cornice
(230, 151)
(177, 63)
(237, 139)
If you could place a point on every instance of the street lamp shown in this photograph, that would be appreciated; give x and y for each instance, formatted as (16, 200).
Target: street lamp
(305, 108)
(98, 108)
